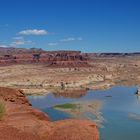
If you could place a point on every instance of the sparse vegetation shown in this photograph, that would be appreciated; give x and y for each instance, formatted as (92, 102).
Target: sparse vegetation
(66, 106)
(2, 110)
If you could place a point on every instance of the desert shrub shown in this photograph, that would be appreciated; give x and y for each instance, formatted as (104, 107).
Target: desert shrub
(2, 110)
(66, 106)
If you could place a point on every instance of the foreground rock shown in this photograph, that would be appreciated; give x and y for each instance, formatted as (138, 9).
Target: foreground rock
(21, 122)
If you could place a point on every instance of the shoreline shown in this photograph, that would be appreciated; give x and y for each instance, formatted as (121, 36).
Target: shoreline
(33, 124)
(79, 110)
(45, 91)
(40, 79)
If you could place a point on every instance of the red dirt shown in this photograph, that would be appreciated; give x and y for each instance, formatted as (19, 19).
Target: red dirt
(22, 122)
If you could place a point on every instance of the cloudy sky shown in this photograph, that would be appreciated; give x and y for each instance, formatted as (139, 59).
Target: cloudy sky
(86, 25)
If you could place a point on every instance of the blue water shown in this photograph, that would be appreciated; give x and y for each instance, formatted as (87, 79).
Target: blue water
(121, 110)
(56, 115)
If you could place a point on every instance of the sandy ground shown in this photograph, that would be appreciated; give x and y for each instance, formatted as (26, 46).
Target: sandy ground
(40, 79)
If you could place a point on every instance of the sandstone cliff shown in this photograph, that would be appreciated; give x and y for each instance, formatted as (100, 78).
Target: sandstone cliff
(21, 122)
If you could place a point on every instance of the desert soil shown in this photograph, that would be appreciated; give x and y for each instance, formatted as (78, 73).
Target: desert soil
(103, 73)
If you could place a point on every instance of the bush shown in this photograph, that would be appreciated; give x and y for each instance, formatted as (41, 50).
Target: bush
(2, 110)
(66, 106)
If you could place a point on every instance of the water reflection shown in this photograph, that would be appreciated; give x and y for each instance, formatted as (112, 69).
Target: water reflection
(70, 93)
(121, 110)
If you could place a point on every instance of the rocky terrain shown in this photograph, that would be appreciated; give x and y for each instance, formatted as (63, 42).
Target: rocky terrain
(52, 59)
(103, 73)
(68, 73)
(56, 59)
(20, 121)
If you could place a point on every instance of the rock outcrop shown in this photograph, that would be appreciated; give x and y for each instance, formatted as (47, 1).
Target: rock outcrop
(21, 122)
(67, 59)
(52, 58)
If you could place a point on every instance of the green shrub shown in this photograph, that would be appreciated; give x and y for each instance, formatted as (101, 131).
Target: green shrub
(2, 110)
(66, 106)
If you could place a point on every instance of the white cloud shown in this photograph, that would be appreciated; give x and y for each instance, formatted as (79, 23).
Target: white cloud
(19, 41)
(33, 32)
(3, 46)
(67, 39)
(71, 39)
(52, 44)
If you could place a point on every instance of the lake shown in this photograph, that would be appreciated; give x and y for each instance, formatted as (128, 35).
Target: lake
(120, 110)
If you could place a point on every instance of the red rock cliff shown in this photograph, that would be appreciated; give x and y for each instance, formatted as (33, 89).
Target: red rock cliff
(22, 122)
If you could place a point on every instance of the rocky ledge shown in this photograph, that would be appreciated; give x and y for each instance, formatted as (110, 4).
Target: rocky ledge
(20, 121)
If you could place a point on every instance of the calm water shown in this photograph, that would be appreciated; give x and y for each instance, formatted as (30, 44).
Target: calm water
(121, 110)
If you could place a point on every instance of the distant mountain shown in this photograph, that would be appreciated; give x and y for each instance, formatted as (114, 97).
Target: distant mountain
(13, 51)
(91, 55)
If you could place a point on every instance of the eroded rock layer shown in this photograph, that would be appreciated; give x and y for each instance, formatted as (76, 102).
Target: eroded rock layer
(53, 59)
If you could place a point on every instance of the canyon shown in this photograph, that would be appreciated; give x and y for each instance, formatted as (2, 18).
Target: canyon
(38, 71)
(99, 72)
(67, 73)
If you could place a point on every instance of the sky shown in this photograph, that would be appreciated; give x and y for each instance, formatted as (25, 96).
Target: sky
(86, 25)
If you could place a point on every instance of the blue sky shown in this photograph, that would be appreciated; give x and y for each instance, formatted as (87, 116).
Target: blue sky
(86, 25)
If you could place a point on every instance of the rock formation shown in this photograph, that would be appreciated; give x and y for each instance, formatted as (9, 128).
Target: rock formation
(53, 58)
(67, 59)
(22, 122)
